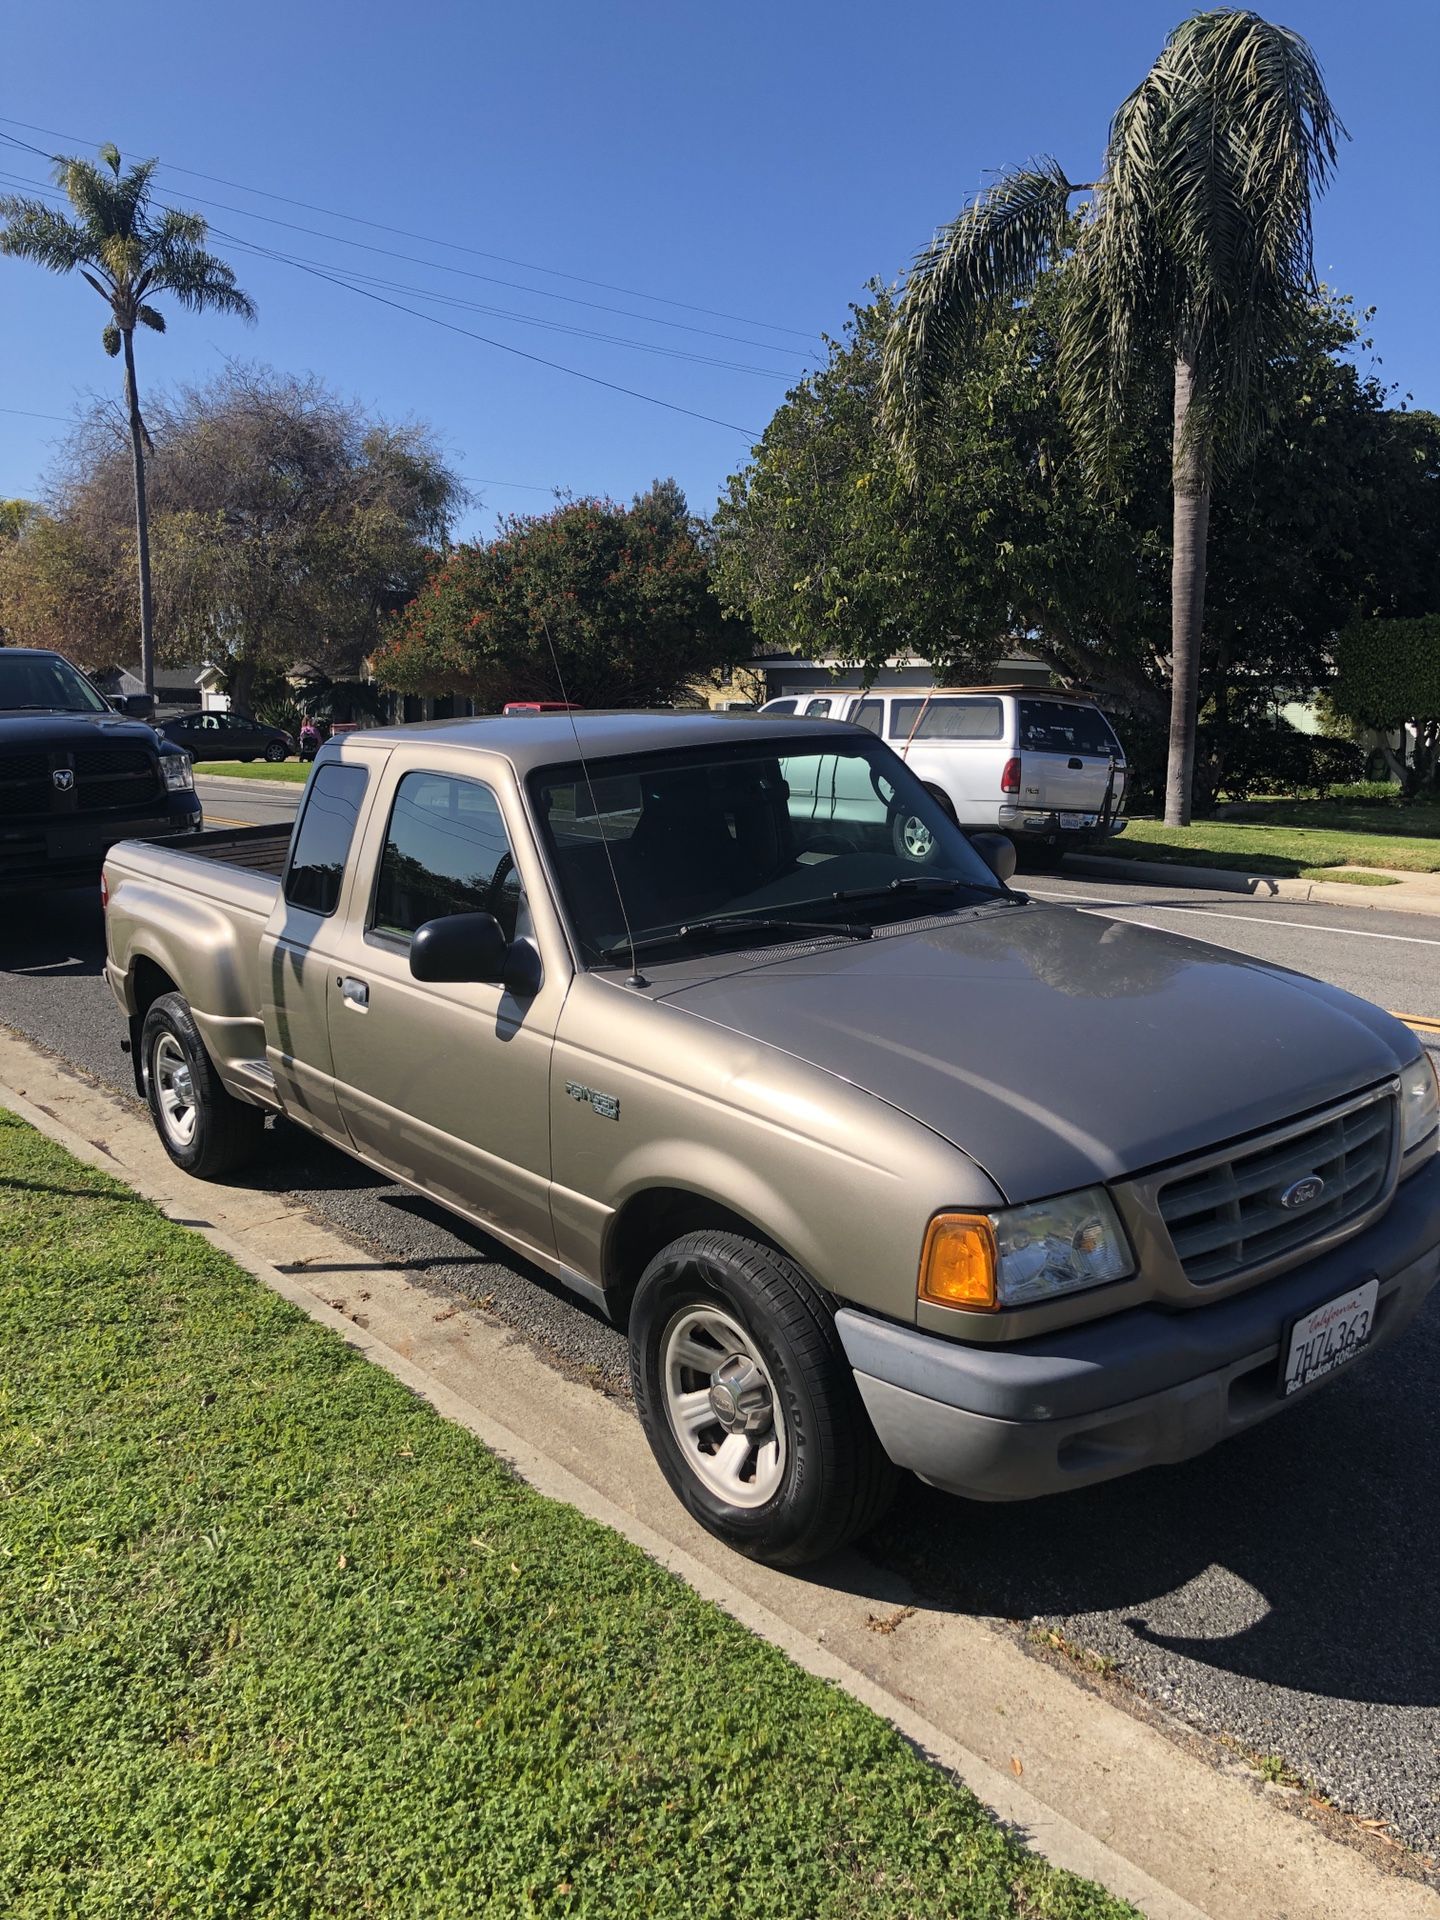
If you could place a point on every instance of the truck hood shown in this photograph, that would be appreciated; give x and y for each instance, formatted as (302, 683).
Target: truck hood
(1054, 1047)
(61, 730)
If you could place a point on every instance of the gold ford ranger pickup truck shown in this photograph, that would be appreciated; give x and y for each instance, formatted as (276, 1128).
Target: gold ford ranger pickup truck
(722, 1021)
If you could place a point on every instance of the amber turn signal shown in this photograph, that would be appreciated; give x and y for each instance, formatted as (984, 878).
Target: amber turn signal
(959, 1261)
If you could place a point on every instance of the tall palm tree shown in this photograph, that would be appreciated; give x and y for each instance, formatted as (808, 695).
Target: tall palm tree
(1193, 252)
(126, 253)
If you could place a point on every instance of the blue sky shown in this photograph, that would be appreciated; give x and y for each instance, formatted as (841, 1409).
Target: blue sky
(761, 161)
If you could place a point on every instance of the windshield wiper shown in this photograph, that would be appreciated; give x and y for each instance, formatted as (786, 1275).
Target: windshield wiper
(917, 882)
(739, 923)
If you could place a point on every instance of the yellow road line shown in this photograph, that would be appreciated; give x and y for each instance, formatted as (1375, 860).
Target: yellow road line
(224, 820)
(1421, 1022)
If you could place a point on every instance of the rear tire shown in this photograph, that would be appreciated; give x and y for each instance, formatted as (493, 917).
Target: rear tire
(749, 1403)
(205, 1130)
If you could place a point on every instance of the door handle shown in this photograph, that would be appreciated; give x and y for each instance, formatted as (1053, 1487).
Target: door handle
(353, 992)
(1078, 766)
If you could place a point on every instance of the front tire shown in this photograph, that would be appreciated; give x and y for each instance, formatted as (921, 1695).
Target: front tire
(276, 751)
(749, 1404)
(205, 1130)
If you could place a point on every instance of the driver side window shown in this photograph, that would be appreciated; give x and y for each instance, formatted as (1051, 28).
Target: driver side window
(446, 851)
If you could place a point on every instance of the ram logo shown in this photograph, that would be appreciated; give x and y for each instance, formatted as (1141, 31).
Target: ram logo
(64, 779)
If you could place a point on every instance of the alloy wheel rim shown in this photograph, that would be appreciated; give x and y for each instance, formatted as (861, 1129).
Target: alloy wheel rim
(174, 1089)
(721, 1406)
(918, 838)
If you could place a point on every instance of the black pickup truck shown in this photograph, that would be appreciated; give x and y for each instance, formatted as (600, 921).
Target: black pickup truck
(76, 776)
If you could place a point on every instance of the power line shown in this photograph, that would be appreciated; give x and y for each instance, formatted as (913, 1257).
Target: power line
(406, 233)
(337, 279)
(499, 313)
(64, 419)
(468, 273)
(504, 346)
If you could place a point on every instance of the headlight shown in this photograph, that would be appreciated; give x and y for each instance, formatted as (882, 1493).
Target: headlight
(1419, 1104)
(1023, 1254)
(179, 776)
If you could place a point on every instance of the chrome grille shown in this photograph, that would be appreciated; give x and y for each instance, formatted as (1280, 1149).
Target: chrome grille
(1226, 1216)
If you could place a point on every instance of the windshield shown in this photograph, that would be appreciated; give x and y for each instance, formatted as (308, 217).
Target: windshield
(44, 683)
(758, 831)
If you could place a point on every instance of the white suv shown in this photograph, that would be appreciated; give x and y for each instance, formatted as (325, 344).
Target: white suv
(1045, 768)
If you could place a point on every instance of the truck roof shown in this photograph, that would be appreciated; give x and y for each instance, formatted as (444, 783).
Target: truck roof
(542, 739)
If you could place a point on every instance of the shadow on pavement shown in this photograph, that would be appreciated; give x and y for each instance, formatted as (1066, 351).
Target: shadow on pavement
(1305, 1554)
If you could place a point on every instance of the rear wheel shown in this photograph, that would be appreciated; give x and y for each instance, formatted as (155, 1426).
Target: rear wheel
(749, 1404)
(204, 1129)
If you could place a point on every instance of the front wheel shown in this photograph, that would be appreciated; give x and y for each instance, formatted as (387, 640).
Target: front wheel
(276, 751)
(749, 1404)
(204, 1129)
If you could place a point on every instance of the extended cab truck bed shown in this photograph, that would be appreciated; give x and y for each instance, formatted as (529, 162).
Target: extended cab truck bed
(885, 1164)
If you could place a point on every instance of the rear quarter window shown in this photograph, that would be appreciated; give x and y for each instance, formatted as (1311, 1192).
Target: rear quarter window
(323, 836)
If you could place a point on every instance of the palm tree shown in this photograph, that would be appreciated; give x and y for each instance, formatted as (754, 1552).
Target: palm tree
(126, 253)
(1193, 252)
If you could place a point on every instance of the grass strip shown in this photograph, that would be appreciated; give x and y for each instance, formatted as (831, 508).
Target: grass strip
(1296, 852)
(276, 1639)
(293, 772)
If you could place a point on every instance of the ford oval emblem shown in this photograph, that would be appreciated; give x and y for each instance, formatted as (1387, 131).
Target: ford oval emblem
(1303, 1192)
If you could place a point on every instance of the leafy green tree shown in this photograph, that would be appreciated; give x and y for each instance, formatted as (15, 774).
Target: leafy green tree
(1000, 537)
(129, 254)
(1194, 254)
(994, 538)
(619, 597)
(1387, 676)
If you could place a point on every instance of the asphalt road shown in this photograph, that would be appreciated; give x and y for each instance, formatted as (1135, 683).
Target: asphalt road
(1279, 1591)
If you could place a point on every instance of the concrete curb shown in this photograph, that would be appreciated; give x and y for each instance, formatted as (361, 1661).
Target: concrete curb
(1257, 886)
(1104, 1794)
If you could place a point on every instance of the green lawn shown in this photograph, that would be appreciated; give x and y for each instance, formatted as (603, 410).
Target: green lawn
(1299, 838)
(297, 771)
(277, 1640)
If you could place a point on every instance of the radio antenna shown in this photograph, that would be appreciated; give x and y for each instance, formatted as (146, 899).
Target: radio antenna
(637, 979)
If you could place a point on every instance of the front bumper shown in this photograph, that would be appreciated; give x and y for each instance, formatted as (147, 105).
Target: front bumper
(1146, 1388)
(70, 852)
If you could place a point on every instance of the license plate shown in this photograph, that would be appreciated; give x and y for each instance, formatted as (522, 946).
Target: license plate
(1325, 1339)
(1077, 819)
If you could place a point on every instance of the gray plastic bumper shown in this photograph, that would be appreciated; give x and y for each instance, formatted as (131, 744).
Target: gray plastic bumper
(1142, 1389)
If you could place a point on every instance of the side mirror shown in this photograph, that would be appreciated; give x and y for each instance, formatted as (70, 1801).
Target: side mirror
(139, 706)
(997, 850)
(463, 948)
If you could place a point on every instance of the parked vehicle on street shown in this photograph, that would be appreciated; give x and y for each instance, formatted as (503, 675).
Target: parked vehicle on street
(227, 736)
(883, 1164)
(77, 773)
(540, 706)
(1047, 769)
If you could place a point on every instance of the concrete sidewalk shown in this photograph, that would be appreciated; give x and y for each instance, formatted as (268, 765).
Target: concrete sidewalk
(1093, 1787)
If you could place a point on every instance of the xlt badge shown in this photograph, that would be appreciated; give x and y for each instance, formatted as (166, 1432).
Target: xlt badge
(607, 1105)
